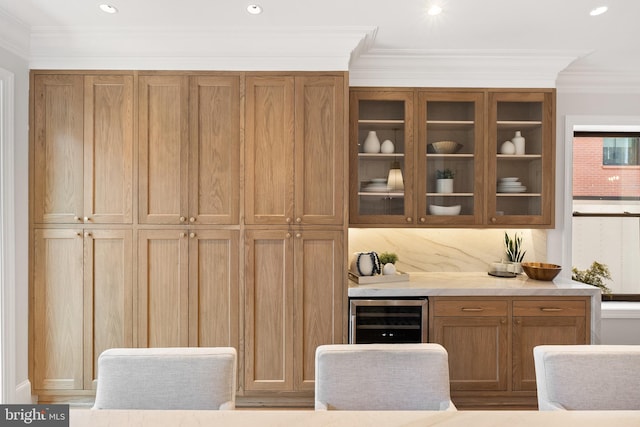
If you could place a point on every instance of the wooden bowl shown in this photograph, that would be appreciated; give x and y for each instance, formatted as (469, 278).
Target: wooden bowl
(446, 147)
(541, 270)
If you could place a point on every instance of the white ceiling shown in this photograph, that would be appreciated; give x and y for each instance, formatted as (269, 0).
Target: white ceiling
(539, 38)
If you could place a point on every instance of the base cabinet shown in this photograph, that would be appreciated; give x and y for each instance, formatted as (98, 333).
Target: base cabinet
(490, 343)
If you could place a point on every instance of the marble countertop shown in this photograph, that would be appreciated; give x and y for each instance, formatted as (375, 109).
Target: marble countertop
(310, 418)
(470, 284)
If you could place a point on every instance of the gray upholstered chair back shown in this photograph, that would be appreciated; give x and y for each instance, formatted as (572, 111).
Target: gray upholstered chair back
(585, 377)
(382, 377)
(167, 378)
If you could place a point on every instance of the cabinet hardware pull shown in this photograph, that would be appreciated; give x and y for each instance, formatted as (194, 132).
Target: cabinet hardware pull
(288, 235)
(423, 219)
(87, 234)
(298, 220)
(472, 309)
(550, 309)
(79, 234)
(493, 219)
(288, 220)
(192, 235)
(182, 234)
(76, 218)
(86, 218)
(182, 219)
(409, 219)
(298, 235)
(192, 219)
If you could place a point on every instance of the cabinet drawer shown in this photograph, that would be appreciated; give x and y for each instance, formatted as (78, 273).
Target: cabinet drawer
(549, 308)
(470, 308)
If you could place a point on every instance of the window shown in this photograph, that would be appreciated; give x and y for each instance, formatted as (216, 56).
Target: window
(620, 151)
(606, 208)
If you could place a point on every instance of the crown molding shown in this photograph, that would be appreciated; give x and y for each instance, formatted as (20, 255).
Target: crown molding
(290, 48)
(14, 35)
(584, 81)
(460, 68)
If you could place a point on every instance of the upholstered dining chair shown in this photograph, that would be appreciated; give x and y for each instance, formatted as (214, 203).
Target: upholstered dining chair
(167, 378)
(382, 377)
(585, 377)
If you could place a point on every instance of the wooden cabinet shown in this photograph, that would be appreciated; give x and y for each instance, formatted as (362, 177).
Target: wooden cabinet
(475, 122)
(294, 150)
(82, 303)
(189, 142)
(490, 342)
(83, 149)
(293, 303)
(187, 288)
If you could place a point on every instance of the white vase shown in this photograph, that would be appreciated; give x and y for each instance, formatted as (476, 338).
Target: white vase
(518, 142)
(387, 147)
(365, 264)
(507, 147)
(389, 269)
(372, 143)
(444, 185)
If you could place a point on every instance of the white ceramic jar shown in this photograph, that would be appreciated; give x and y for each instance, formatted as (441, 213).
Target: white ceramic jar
(371, 143)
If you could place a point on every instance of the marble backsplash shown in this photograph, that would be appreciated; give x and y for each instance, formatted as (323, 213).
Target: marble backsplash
(445, 249)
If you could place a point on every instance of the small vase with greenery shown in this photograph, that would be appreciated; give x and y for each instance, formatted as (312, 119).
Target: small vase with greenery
(513, 247)
(444, 180)
(594, 275)
(388, 260)
(445, 174)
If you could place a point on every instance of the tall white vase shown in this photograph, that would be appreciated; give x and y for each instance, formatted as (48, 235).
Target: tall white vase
(518, 142)
(372, 143)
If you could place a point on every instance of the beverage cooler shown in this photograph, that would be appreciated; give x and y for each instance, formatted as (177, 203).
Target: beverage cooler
(373, 320)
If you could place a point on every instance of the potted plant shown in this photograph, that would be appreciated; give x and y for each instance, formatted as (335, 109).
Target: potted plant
(388, 260)
(594, 275)
(514, 252)
(444, 180)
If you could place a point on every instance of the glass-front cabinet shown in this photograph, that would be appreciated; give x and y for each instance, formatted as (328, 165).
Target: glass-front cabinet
(451, 151)
(381, 156)
(452, 157)
(520, 167)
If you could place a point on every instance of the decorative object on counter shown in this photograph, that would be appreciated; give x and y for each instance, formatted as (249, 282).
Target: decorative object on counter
(371, 143)
(446, 147)
(395, 181)
(445, 210)
(507, 147)
(518, 143)
(510, 185)
(380, 278)
(444, 181)
(501, 269)
(365, 264)
(514, 252)
(541, 270)
(595, 275)
(387, 147)
(388, 260)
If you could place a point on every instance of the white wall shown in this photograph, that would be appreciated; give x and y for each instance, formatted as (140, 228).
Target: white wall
(19, 67)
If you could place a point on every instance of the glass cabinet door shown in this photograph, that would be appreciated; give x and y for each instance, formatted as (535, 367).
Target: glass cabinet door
(520, 169)
(381, 157)
(450, 168)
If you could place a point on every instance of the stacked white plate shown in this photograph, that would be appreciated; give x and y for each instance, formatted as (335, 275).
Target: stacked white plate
(377, 185)
(510, 185)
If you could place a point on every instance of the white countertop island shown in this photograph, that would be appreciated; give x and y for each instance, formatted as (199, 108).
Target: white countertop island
(425, 284)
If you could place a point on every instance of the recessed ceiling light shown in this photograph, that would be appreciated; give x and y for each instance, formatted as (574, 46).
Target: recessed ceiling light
(254, 9)
(108, 8)
(598, 11)
(434, 10)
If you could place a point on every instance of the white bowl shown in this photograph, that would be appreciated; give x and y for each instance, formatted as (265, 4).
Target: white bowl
(446, 147)
(510, 179)
(444, 210)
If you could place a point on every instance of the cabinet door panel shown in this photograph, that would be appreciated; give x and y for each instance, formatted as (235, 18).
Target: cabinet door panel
(163, 288)
(529, 332)
(108, 149)
(269, 137)
(484, 337)
(318, 299)
(163, 146)
(320, 150)
(57, 310)
(269, 311)
(213, 288)
(108, 292)
(58, 149)
(214, 166)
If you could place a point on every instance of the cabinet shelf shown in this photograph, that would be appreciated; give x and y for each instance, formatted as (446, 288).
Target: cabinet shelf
(518, 156)
(388, 194)
(450, 156)
(380, 155)
(449, 194)
(518, 194)
(519, 123)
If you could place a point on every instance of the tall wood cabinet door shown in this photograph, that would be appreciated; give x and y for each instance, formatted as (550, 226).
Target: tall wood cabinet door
(57, 310)
(108, 149)
(318, 296)
(268, 325)
(529, 332)
(58, 149)
(214, 288)
(214, 165)
(163, 288)
(163, 141)
(269, 156)
(108, 296)
(320, 150)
